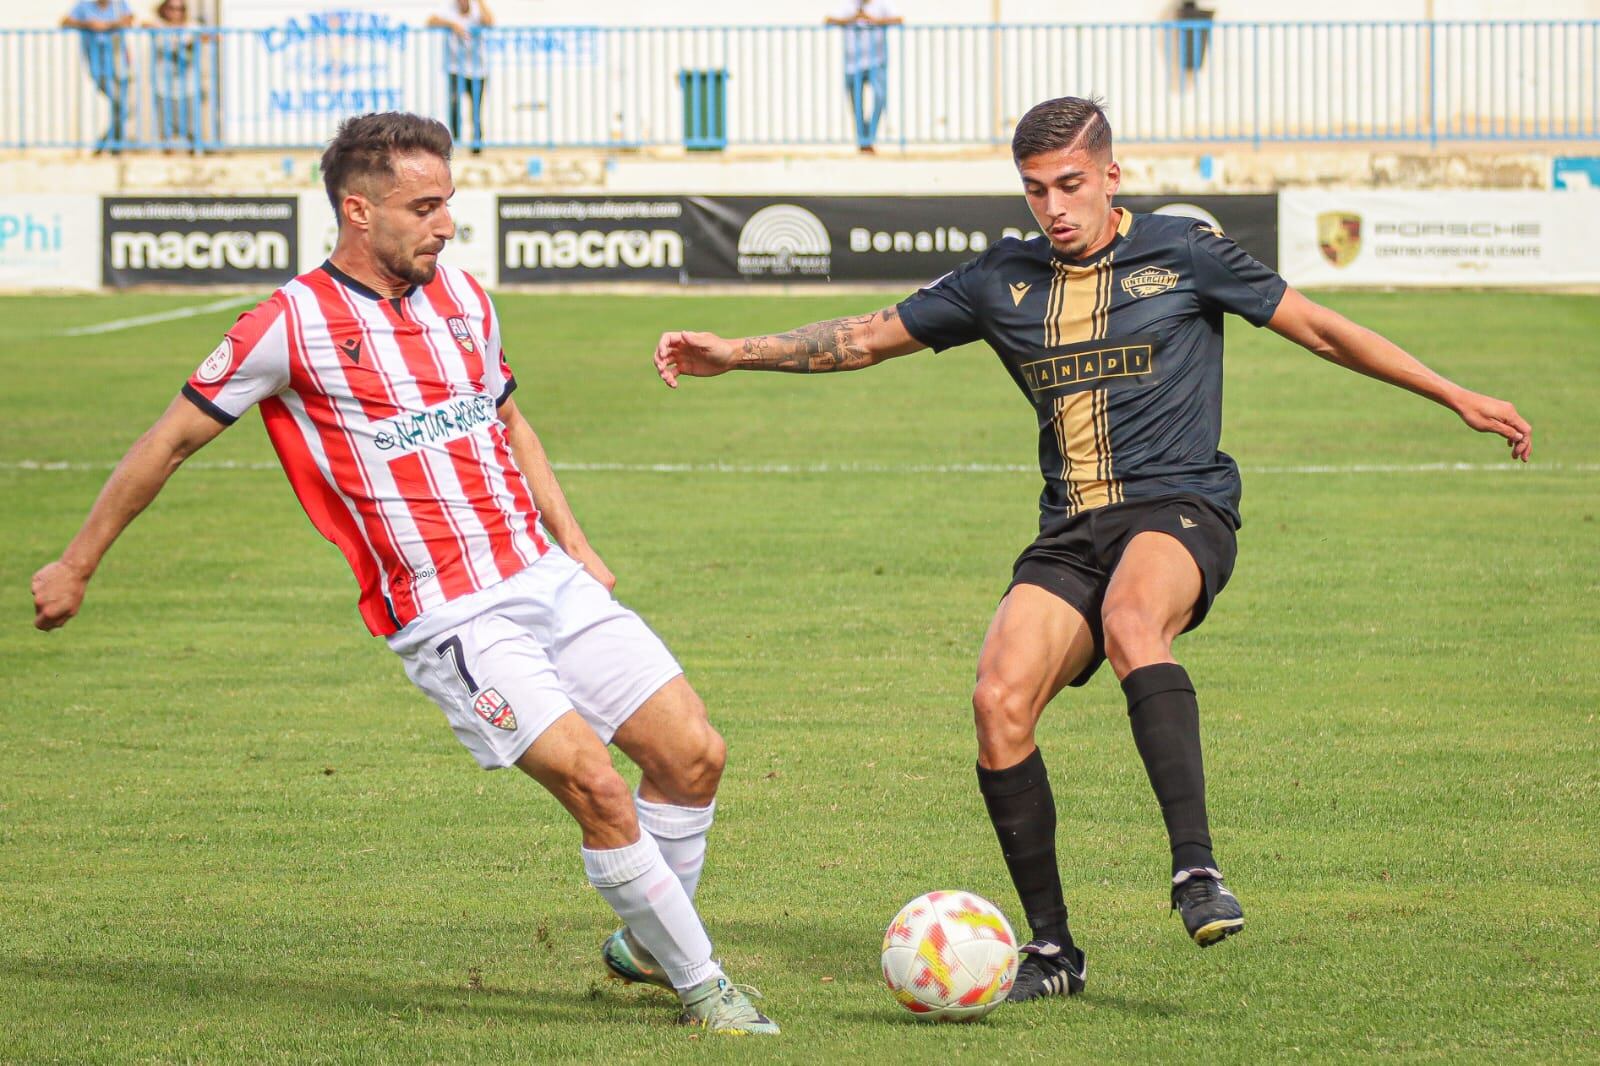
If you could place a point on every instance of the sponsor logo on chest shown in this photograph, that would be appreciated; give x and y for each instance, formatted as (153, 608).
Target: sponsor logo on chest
(443, 422)
(1070, 372)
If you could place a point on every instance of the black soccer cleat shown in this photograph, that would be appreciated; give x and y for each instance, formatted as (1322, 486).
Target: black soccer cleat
(1047, 971)
(1210, 912)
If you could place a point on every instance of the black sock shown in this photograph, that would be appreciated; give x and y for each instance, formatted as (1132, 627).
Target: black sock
(1166, 729)
(1024, 815)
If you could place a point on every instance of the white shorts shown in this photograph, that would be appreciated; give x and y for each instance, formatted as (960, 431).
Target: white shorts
(505, 662)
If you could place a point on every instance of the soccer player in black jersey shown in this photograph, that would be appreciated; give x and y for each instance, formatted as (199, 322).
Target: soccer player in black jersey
(1111, 325)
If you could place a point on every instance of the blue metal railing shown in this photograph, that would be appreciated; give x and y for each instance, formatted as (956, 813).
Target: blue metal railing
(708, 87)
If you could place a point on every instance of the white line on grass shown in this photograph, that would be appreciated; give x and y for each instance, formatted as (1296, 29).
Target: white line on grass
(160, 316)
(50, 466)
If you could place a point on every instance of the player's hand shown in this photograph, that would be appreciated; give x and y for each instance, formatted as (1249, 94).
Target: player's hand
(590, 560)
(57, 595)
(700, 355)
(1489, 415)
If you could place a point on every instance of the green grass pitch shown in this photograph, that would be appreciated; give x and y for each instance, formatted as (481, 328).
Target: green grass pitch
(230, 831)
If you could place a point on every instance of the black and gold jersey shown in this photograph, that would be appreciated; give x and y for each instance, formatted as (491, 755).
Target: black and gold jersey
(1120, 353)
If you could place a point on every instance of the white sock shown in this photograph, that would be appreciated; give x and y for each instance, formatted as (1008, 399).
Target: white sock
(681, 833)
(646, 895)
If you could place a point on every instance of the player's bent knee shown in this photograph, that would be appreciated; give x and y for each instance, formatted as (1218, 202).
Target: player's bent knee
(997, 702)
(1004, 717)
(701, 771)
(600, 797)
(713, 757)
(689, 772)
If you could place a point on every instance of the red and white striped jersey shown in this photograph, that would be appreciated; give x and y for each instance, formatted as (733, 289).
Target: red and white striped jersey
(384, 416)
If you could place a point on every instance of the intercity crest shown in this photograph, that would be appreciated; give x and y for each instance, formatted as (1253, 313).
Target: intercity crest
(493, 708)
(462, 334)
(1150, 281)
(1339, 236)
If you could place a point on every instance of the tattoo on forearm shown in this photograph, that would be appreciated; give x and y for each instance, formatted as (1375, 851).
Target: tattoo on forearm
(838, 344)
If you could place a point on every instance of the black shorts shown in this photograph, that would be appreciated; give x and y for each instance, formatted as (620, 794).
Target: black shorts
(1074, 557)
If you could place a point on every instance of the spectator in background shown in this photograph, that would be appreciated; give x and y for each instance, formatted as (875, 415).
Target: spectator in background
(463, 61)
(100, 24)
(176, 75)
(866, 61)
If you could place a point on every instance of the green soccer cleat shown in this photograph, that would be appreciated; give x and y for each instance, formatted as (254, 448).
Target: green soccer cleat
(717, 1006)
(628, 961)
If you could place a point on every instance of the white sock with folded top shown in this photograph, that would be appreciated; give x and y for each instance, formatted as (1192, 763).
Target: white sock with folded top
(681, 834)
(650, 900)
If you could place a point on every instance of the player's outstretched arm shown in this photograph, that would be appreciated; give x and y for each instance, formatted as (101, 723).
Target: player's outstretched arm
(838, 344)
(1337, 339)
(554, 511)
(183, 430)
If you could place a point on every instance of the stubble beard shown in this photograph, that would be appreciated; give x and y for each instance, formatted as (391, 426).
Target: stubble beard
(410, 270)
(1074, 250)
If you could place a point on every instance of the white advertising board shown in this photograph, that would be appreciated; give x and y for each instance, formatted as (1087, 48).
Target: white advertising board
(474, 249)
(1438, 237)
(50, 242)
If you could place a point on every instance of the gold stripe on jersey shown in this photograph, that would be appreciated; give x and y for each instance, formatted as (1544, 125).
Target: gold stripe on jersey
(1083, 434)
(1078, 310)
(1073, 314)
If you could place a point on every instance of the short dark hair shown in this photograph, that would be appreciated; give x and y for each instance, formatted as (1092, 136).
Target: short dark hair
(363, 150)
(1065, 122)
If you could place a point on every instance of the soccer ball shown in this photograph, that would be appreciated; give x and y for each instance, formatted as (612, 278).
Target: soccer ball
(949, 957)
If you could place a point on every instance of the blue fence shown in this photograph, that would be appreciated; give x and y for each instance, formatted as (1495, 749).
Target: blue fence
(702, 87)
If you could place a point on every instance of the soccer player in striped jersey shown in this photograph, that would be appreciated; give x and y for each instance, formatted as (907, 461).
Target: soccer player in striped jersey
(385, 391)
(1111, 325)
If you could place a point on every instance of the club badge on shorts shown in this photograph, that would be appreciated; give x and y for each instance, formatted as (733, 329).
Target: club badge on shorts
(460, 331)
(493, 708)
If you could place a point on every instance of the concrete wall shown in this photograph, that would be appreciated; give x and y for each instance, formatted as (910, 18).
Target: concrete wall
(1237, 170)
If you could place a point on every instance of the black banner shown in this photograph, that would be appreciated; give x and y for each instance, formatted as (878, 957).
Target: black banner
(1251, 220)
(890, 239)
(906, 238)
(591, 238)
(199, 240)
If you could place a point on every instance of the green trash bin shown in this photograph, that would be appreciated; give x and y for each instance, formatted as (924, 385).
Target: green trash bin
(705, 109)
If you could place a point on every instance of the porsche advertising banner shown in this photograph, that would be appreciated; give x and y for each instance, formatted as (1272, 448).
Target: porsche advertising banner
(1443, 237)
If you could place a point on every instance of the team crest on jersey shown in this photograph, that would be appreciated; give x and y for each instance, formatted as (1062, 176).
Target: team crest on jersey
(216, 364)
(1150, 281)
(493, 708)
(463, 335)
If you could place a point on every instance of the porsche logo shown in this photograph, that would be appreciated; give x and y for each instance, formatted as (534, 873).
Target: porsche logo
(1339, 236)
